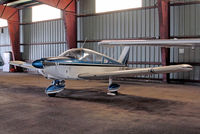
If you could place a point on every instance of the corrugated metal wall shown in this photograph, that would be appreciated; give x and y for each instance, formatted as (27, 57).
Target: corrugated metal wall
(43, 39)
(184, 22)
(4, 40)
(141, 23)
(122, 25)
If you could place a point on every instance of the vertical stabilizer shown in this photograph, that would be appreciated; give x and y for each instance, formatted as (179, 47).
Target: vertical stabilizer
(124, 56)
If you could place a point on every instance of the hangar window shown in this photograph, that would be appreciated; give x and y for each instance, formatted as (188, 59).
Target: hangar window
(113, 5)
(45, 12)
(3, 23)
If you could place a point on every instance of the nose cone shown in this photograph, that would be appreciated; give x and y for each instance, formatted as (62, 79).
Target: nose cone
(38, 64)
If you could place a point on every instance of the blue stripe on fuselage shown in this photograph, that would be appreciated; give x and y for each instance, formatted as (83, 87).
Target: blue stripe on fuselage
(76, 62)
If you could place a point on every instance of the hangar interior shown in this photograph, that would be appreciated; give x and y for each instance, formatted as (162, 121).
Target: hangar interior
(48, 38)
(83, 107)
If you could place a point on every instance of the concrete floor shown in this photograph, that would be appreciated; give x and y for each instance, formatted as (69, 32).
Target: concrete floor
(84, 108)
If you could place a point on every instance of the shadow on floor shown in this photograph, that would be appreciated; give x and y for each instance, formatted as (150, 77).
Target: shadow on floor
(125, 101)
(128, 102)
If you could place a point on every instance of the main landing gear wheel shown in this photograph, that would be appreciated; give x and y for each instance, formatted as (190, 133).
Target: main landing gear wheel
(56, 87)
(112, 88)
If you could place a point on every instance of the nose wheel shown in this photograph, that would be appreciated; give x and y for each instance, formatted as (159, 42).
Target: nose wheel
(52, 95)
(56, 87)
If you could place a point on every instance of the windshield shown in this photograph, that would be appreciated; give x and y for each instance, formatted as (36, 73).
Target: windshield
(75, 54)
(83, 55)
(87, 56)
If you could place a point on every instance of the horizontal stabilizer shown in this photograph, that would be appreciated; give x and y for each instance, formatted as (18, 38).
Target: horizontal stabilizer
(160, 42)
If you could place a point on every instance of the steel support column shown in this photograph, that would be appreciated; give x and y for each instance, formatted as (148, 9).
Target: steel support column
(12, 16)
(70, 21)
(13, 28)
(164, 27)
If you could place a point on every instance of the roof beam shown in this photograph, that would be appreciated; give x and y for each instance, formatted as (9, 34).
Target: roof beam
(3, 11)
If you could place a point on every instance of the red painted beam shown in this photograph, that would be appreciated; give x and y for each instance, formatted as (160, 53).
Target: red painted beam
(12, 16)
(164, 17)
(164, 27)
(14, 33)
(69, 17)
(71, 24)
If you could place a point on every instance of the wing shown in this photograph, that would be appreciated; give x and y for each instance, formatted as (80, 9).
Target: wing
(160, 42)
(140, 71)
(22, 64)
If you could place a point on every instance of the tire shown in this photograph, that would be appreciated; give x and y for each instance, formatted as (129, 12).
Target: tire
(116, 93)
(52, 95)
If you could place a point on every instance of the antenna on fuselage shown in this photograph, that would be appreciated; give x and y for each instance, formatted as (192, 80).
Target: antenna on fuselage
(84, 43)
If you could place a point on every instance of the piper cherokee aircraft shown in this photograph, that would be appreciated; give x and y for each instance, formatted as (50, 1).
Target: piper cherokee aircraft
(82, 63)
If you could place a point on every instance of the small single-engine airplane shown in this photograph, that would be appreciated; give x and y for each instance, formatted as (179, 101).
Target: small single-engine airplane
(82, 63)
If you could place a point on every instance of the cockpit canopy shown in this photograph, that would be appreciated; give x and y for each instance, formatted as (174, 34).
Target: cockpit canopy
(88, 56)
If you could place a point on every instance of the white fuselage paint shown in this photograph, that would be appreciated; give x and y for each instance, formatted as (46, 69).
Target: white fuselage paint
(72, 72)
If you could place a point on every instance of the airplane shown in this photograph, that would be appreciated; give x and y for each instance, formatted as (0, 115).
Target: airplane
(82, 63)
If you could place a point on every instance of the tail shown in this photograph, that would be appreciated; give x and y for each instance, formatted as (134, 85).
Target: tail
(124, 56)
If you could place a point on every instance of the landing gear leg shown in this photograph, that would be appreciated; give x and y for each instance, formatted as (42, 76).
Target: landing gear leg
(56, 87)
(112, 88)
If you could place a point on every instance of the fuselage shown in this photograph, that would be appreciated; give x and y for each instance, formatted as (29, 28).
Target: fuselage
(73, 71)
(74, 62)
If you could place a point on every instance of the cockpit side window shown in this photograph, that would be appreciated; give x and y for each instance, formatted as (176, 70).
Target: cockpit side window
(70, 55)
(98, 58)
(87, 56)
(75, 54)
(92, 58)
(105, 61)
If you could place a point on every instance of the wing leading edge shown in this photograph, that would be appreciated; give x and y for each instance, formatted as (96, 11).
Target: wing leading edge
(160, 42)
(140, 71)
